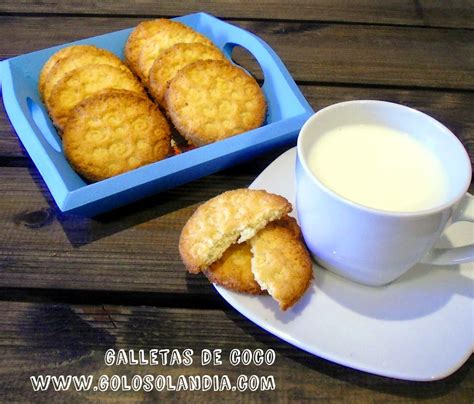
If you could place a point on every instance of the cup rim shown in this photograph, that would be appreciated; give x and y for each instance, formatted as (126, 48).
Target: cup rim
(376, 211)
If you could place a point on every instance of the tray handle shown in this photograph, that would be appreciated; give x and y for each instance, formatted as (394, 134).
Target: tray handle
(20, 108)
(26, 112)
(39, 118)
(277, 80)
(271, 65)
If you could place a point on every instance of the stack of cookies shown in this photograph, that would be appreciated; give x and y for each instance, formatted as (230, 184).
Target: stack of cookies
(244, 240)
(205, 96)
(77, 72)
(107, 122)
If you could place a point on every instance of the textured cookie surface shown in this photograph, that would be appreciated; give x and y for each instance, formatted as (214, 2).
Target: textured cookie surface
(79, 58)
(281, 264)
(169, 33)
(167, 65)
(234, 216)
(233, 269)
(84, 82)
(114, 132)
(137, 39)
(60, 54)
(212, 100)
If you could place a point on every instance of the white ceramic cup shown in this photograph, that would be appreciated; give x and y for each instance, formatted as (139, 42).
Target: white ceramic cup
(372, 246)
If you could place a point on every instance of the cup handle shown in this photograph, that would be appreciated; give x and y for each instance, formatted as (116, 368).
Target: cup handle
(455, 255)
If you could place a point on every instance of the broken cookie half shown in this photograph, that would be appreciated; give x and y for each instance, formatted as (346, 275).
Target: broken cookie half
(245, 241)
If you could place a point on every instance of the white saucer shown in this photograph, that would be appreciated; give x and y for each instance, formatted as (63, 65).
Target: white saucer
(421, 327)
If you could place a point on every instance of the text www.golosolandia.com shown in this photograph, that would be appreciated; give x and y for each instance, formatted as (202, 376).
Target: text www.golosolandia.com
(150, 382)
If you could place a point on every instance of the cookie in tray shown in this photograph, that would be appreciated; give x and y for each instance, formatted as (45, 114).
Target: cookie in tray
(115, 132)
(211, 100)
(172, 60)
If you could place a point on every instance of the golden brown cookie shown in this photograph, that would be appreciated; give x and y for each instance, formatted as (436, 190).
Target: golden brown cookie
(80, 57)
(290, 224)
(170, 61)
(143, 31)
(60, 54)
(234, 216)
(85, 81)
(281, 263)
(213, 100)
(169, 33)
(233, 269)
(115, 132)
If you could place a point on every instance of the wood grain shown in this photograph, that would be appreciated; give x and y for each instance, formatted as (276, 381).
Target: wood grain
(450, 108)
(38, 339)
(313, 52)
(72, 287)
(439, 13)
(131, 250)
(134, 249)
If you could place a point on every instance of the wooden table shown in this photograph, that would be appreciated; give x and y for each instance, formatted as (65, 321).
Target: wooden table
(72, 287)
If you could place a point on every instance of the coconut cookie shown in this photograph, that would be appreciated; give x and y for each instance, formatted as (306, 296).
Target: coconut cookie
(84, 82)
(78, 56)
(212, 100)
(56, 57)
(138, 38)
(167, 33)
(233, 270)
(172, 60)
(270, 255)
(115, 132)
(281, 264)
(234, 216)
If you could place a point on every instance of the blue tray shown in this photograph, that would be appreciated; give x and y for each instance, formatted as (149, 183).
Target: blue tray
(287, 111)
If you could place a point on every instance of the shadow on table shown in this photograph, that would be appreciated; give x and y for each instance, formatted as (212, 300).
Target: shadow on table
(74, 338)
(385, 385)
(82, 230)
(201, 292)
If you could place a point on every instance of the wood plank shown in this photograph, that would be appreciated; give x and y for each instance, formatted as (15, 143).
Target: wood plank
(313, 52)
(404, 12)
(450, 108)
(447, 13)
(132, 250)
(61, 339)
(135, 249)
